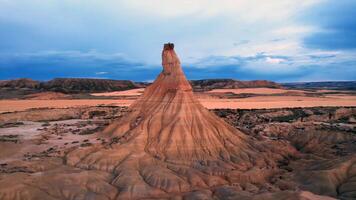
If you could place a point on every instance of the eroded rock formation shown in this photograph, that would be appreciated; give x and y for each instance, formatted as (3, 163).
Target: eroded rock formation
(170, 124)
(169, 143)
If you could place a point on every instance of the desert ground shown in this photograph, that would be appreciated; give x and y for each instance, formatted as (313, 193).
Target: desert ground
(245, 98)
(315, 128)
(36, 141)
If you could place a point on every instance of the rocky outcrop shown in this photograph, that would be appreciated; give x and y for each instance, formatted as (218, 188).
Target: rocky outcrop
(20, 83)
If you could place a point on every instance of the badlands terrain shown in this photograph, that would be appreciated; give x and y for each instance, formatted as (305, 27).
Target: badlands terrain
(321, 142)
(218, 97)
(227, 140)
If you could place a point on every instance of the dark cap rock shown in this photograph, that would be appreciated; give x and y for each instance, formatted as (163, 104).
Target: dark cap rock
(168, 46)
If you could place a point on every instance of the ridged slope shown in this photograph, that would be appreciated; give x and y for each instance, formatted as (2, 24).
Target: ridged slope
(174, 123)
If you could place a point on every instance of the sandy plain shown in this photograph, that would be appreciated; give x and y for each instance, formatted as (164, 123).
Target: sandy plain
(263, 98)
(133, 92)
(255, 91)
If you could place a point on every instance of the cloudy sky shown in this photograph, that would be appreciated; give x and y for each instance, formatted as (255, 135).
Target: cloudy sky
(280, 40)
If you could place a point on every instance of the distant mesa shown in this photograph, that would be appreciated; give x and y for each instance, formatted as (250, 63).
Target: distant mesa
(87, 85)
(20, 83)
(80, 85)
(333, 85)
(71, 85)
(210, 84)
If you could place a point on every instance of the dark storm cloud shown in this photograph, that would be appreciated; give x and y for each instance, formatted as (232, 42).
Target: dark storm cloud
(48, 65)
(46, 39)
(337, 24)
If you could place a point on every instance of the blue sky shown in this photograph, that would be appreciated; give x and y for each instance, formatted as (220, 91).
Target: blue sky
(279, 40)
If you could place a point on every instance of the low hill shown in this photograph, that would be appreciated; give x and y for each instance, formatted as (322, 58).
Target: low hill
(335, 85)
(87, 85)
(209, 84)
(84, 85)
(68, 85)
(20, 83)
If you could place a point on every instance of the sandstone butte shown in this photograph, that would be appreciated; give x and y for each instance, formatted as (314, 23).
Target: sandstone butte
(170, 144)
(168, 147)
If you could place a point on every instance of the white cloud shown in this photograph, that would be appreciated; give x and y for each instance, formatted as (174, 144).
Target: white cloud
(201, 29)
(92, 54)
(101, 73)
(293, 30)
(271, 60)
(250, 10)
